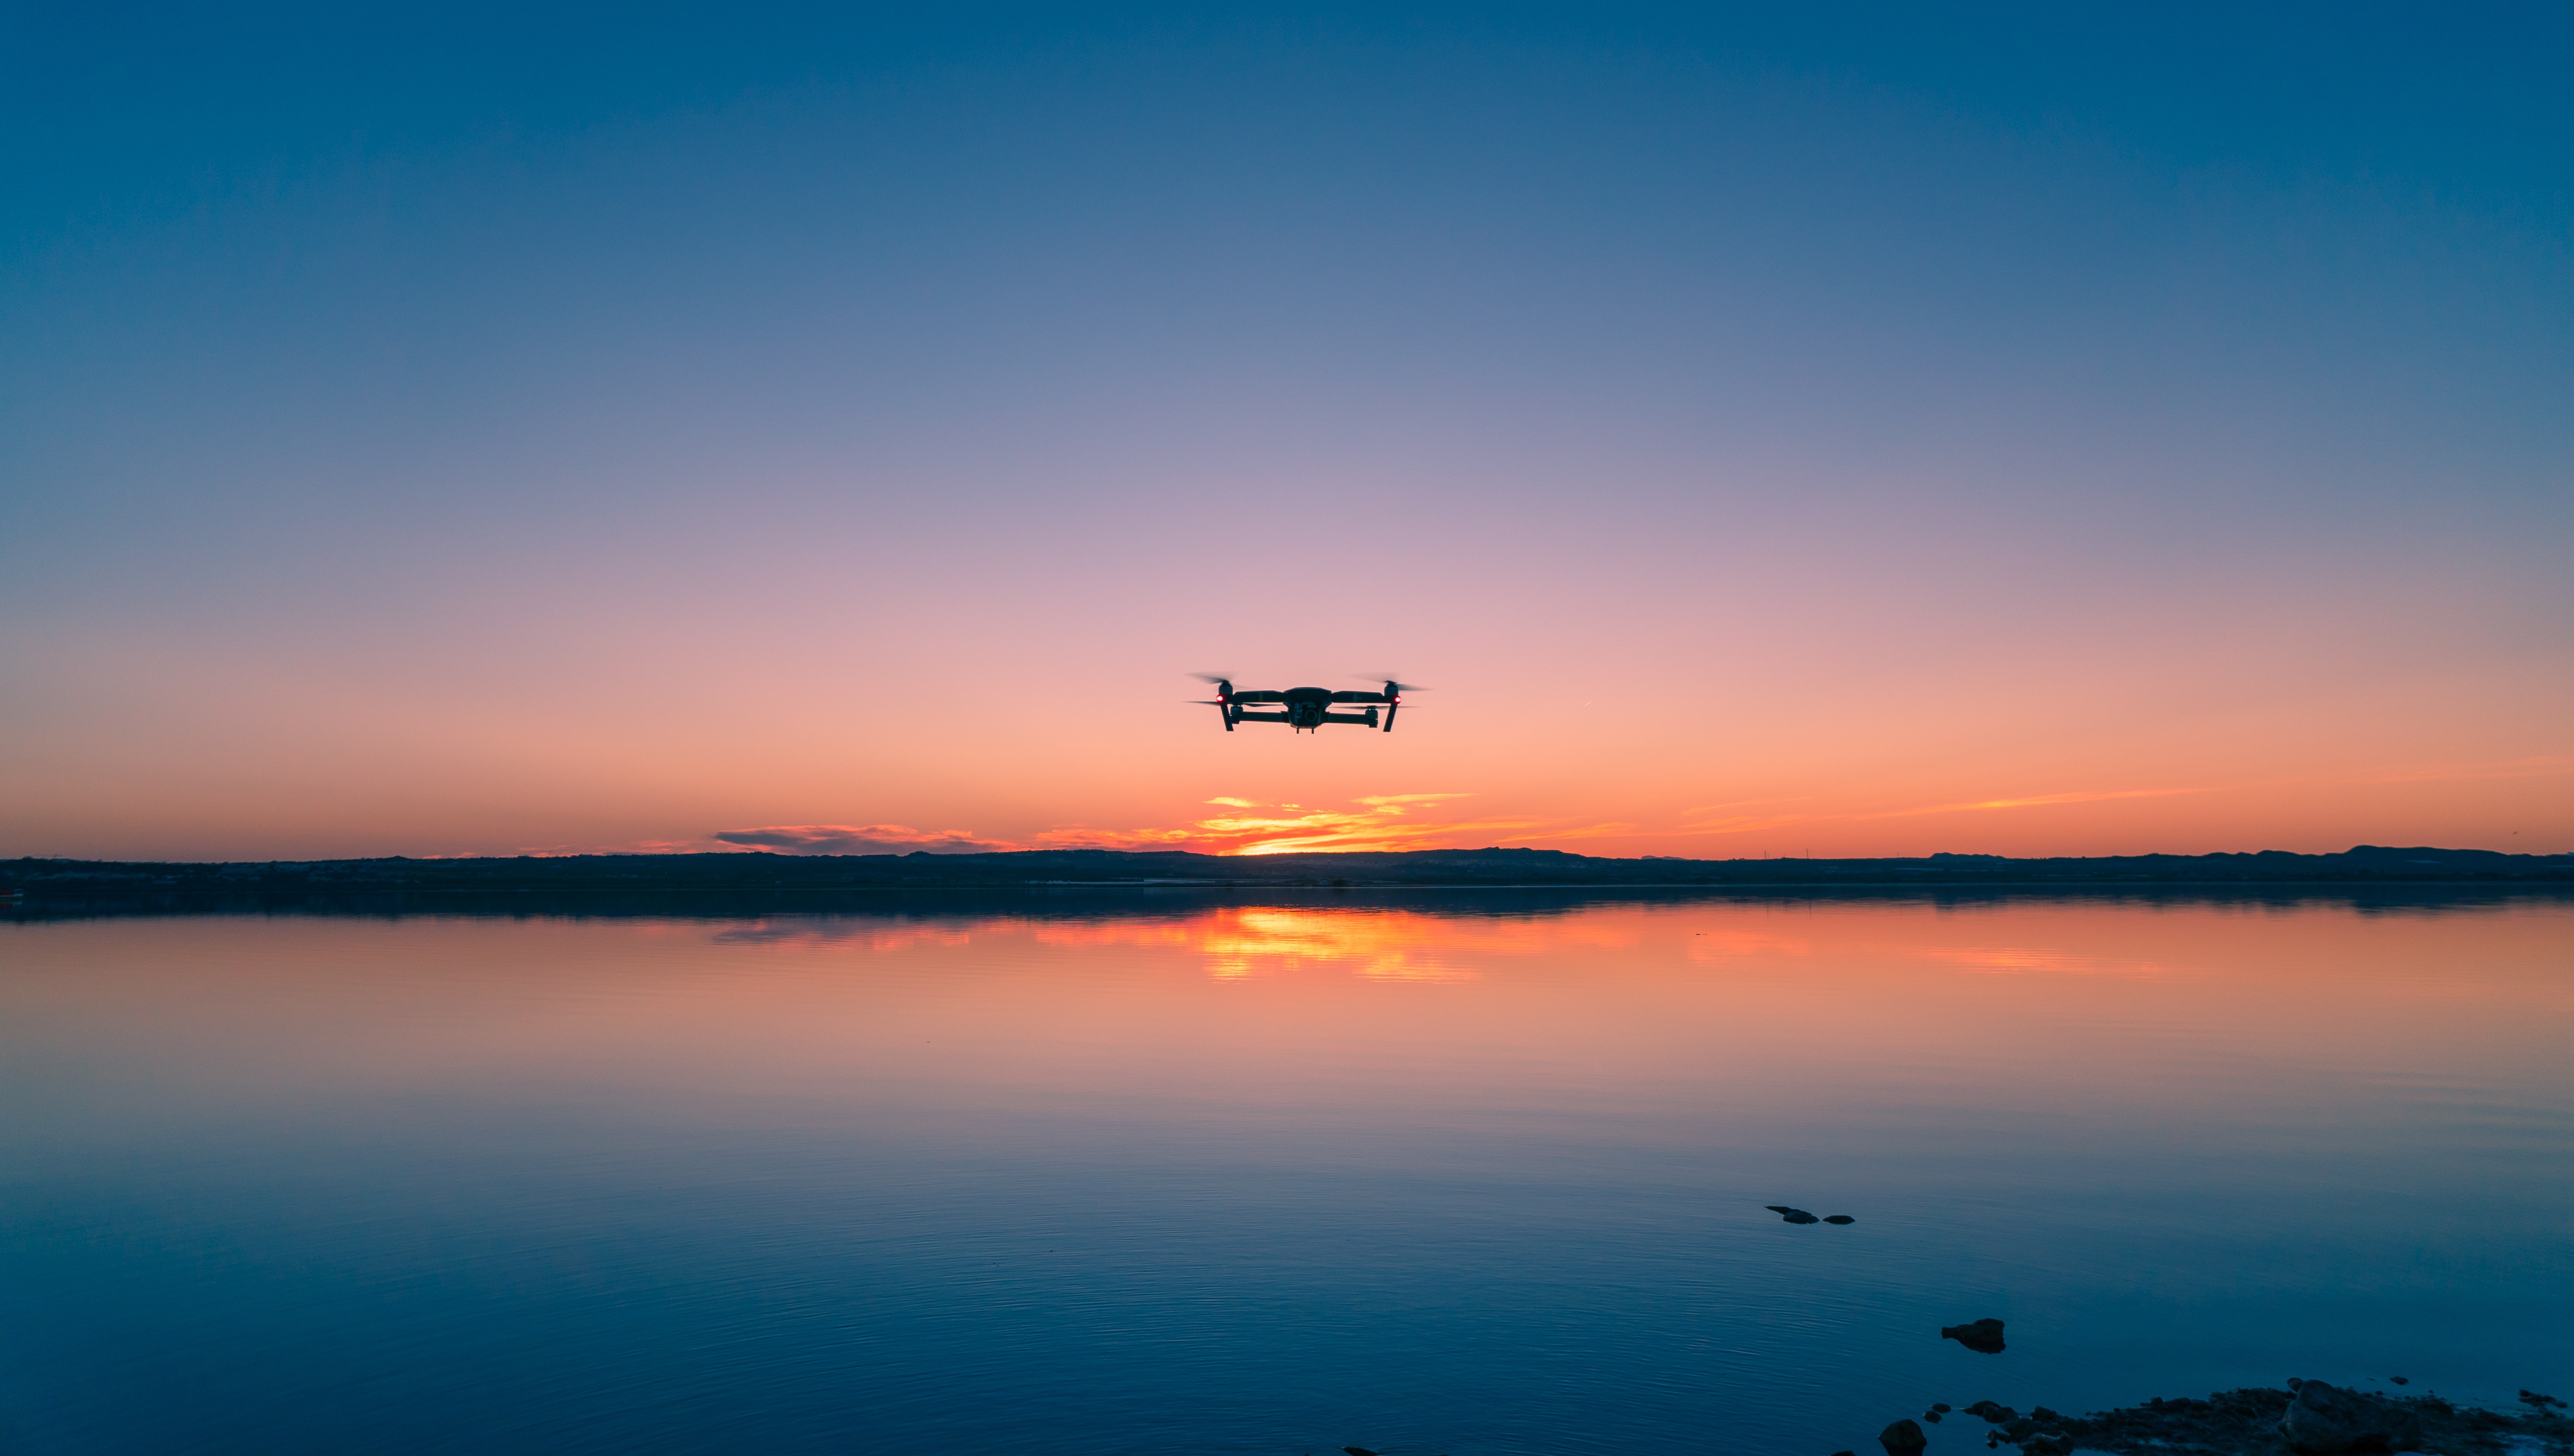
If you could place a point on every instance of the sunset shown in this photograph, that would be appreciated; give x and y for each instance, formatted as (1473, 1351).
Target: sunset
(1401, 732)
(1752, 434)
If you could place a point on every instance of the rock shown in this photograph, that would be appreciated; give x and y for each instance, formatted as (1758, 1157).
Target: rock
(1931, 1416)
(1904, 1438)
(2536, 1401)
(2327, 1418)
(1844, 1453)
(2044, 1416)
(1984, 1335)
(1358, 1451)
(1940, 1406)
(2048, 1443)
(2401, 1380)
(1838, 1218)
(1790, 1215)
(1996, 1414)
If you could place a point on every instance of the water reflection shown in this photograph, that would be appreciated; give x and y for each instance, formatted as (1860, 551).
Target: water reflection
(1265, 1177)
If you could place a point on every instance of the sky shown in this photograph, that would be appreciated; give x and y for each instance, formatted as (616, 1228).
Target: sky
(1863, 431)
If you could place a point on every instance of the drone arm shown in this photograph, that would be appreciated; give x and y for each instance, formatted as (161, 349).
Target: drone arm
(1260, 718)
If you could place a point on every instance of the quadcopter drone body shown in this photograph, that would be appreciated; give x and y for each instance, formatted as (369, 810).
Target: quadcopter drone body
(1306, 709)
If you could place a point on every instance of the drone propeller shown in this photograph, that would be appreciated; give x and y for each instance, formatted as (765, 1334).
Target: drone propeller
(1387, 678)
(1213, 677)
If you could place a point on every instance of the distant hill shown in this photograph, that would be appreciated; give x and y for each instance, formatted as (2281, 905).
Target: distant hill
(1549, 869)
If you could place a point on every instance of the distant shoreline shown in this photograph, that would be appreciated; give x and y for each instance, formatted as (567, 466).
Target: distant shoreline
(1441, 870)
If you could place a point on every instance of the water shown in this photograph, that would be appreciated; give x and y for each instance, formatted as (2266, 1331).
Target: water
(1159, 1175)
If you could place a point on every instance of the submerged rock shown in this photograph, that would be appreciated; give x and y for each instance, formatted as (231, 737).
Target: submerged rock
(2530, 1398)
(1932, 1415)
(1996, 1414)
(1357, 1451)
(1984, 1335)
(2327, 1418)
(1790, 1215)
(1838, 1218)
(1904, 1438)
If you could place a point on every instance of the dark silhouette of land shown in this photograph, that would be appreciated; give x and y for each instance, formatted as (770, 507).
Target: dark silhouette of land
(1551, 869)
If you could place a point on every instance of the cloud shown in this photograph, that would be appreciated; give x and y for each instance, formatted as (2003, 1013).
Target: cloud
(2544, 767)
(1381, 822)
(2080, 795)
(1749, 823)
(1081, 839)
(1591, 831)
(1393, 801)
(861, 839)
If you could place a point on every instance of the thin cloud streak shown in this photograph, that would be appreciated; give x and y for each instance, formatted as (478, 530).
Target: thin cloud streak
(1382, 822)
(1748, 825)
(2543, 766)
(861, 839)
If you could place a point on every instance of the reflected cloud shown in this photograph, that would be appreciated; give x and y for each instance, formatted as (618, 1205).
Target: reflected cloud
(1721, 946)
(1378, 944)
(2033, 960)
(841, 934)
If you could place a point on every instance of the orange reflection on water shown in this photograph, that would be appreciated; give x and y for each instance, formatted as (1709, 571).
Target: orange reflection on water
(1382, 945)
(1711, 1012)
(2040, 960)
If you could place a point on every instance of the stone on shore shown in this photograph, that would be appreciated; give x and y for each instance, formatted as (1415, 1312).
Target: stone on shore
(2326, 1418)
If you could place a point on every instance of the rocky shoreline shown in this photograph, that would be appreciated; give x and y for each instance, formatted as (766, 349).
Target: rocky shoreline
(2309, 1418)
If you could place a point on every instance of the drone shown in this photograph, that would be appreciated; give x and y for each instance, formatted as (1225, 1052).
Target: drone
(1305, 708)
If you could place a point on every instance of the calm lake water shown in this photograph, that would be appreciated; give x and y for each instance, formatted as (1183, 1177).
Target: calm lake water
(1171, 1176)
